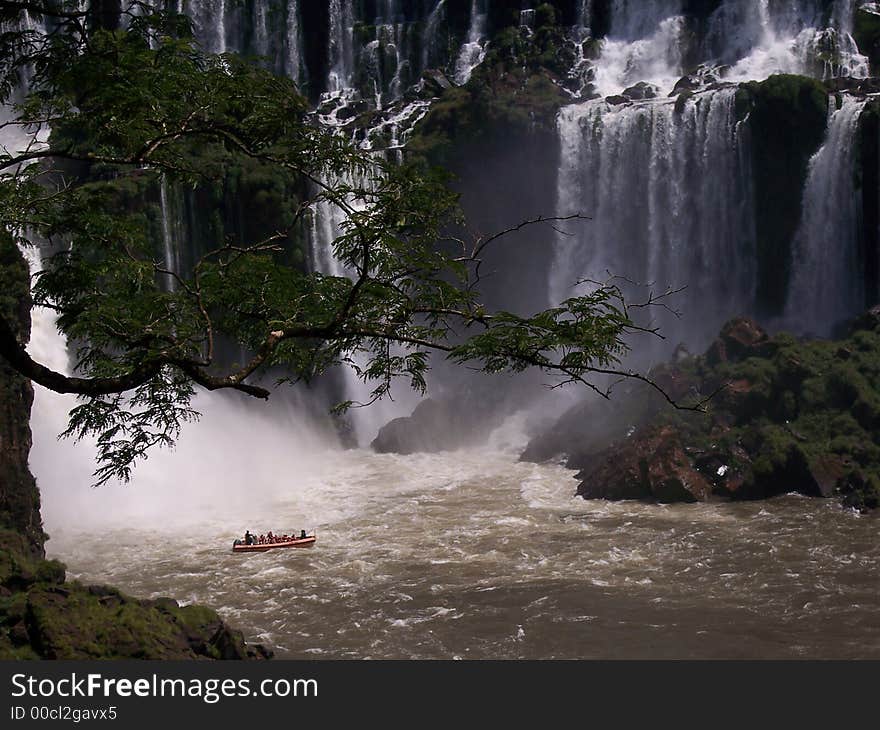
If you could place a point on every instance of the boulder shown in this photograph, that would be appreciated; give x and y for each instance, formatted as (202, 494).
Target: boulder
(691, 82)
(617, 100)
(739, 338)
(640, 91)
(437, 425)
(437, 79)
(650, 466)
(826, 474)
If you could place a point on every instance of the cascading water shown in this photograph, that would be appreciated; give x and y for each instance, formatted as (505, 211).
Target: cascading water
(430, 50)
(744, 40)
(670, 190)
(760, 38)
(209, 18)
(293, 62)
(827, 273)
(666, 187)
(474, 50)
(170, 236)
(340, 50)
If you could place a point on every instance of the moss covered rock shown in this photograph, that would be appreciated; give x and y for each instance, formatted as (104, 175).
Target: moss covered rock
(19, 496)
(787, 117)
(44, 617)
(782, 415)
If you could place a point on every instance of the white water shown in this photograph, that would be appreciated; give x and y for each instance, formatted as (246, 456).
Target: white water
(293, 63)
(669, 200)
(749, 39)
(171, 242)
(473, 51)
(429, 36)
(827, 275)
(340, 49)
(473, 555)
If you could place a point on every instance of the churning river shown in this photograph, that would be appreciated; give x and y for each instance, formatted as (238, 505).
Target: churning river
(473, 555)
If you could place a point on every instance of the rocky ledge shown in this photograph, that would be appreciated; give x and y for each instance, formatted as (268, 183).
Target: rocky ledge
(44, 617)
(779, 415)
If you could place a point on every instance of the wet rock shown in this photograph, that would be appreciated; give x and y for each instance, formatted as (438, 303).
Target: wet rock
(18, 634)
(350, 111)
(691, 82)
(826, 472)
(19, 497)
(641, 91)
(740, 338)
(860, 491)
(869, 320)
(678, 383)
(783, 414)
(437, 425)
(258, 651)
(617, 100)
(163, 603)
(437, 79)
(651, 466)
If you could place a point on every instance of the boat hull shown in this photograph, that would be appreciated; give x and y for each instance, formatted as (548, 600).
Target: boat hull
(305, 542)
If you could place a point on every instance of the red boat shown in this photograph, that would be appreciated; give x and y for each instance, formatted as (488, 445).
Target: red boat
(299, 542)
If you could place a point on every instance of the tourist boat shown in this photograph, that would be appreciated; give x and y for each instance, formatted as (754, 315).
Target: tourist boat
(299, 542)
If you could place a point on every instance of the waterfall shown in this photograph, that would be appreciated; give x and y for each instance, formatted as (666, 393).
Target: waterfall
(584, 18)
(760, 37)
(644, 43)
(327, 223)
(474, 50)
(293, 64)
(745, 40)
(429, 35)
(666, 186)
(170, 239)
(340, 51)
(209, 18)
(655, 58)
(261, 29)
(827, 272)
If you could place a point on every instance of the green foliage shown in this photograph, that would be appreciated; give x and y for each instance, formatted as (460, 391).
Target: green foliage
(799, 404)
(136, 109)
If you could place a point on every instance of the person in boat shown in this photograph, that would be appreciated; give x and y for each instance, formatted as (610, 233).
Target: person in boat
(302, 534)
(248, 538)
(262, 539)
(270, 537)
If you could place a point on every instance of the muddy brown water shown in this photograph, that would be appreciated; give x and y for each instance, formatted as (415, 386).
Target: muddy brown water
(473, 555)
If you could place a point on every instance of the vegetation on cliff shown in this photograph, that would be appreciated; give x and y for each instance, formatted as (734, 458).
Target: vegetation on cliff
(44, 617)
(515, 92)
(787, 118)
(784, 415)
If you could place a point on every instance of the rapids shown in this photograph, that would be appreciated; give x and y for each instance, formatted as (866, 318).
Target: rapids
(474, 555)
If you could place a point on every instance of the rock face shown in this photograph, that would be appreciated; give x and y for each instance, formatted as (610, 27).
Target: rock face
(42, 616)
(654, 466)
(787, 117)
(740, 338)
(19, 497)
(434, 426)
(782, 416)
